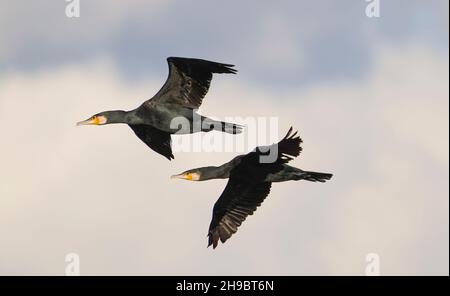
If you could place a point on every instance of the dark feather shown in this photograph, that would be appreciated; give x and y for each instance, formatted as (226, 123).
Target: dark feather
(188, 81)
(288, 148)
(156, 139)
(237, 201)
(246, 188)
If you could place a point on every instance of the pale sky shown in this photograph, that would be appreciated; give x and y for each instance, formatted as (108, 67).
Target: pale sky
(369, 97)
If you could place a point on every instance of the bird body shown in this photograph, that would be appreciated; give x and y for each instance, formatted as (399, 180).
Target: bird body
(249, 183)
(173, 109)
(161, 116)
(286, 173)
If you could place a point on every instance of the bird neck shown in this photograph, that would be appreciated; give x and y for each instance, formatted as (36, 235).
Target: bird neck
(117, 116)
(213, 172)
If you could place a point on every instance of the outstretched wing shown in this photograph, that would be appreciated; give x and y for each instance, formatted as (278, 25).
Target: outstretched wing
(188, 81)
(247, 188)
(237, 201)
(156, 139)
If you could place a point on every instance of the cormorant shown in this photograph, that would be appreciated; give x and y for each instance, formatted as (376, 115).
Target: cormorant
(249, 183)
(173, 106)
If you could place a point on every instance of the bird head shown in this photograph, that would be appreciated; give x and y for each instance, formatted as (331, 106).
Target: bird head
(191, 175)
(97, 119)
(105, 118)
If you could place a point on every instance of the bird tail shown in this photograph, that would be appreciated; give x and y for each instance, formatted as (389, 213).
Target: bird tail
(230, 128)
(313, 176)
(221, 126)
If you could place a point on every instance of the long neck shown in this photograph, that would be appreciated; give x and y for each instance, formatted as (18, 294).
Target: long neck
(212, 172)
(220, 172)
(118, 116)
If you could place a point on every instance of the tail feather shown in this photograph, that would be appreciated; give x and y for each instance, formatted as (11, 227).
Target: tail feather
(314, 176)
(221, 126)
(231, 128)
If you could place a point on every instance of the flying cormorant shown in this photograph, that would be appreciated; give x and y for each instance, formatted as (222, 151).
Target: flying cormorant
(249, 183)
(173, 108)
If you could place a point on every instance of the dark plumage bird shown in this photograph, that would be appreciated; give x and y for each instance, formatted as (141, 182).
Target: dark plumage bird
(173, 108)
(249, 183)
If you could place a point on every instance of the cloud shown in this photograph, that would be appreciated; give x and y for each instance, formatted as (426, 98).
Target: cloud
(101, 193)
(277, 46)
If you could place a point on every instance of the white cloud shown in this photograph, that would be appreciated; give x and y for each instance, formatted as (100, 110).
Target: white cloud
(101, 193)
(32, 27)
(277, 47)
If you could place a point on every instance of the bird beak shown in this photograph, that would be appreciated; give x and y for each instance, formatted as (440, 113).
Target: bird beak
(180, 176)
(187, 176)
(87, 122)
(95, 120)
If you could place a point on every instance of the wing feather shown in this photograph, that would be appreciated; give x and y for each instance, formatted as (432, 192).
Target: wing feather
(188, 81)
(247, 189)
(154, 138)
(237, 201)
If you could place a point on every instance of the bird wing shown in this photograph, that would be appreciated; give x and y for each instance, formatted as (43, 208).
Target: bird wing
(156, 139)
(246, 188)
(188, 81)
(288, 148)
(238, 200)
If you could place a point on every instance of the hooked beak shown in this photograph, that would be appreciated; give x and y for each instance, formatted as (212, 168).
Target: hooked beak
(89, 121)
(95, 120)
(187, 176)
(180, 176)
